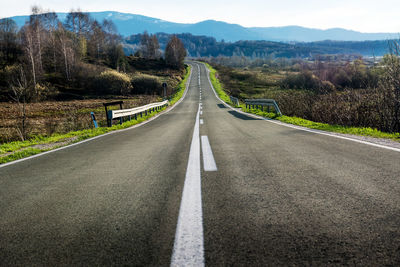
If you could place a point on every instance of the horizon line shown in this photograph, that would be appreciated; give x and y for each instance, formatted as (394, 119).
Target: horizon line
(216, 20)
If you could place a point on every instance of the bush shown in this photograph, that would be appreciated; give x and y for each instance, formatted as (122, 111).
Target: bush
(44, 91)
(113, 82)
(146, 84)
(7, 76)
(306, 80)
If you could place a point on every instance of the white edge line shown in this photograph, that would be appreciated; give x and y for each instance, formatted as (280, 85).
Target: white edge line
(113, 132)
(294, 126)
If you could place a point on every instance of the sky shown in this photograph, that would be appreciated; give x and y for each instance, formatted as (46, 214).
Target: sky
(359, 15)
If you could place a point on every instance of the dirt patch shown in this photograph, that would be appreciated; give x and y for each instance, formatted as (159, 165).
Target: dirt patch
(48, 146)
(56, 144)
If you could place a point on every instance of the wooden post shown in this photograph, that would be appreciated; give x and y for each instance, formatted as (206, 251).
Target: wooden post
(121, 120)
(108, 119)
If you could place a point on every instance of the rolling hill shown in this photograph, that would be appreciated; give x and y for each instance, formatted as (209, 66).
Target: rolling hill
(128, 24)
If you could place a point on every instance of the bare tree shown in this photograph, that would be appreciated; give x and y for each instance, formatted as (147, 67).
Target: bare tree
(9, 47)
(50, 23)
(175, 52)
(28, 37)
(78, 22)
(21, 93)
(65, 46)
(149, 46)
(155, 47)
(35, 22)
(389, 91)
(96, 41)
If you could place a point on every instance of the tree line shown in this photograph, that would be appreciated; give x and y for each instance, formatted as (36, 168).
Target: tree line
(149, 48)
(47, 49)
(204, 46)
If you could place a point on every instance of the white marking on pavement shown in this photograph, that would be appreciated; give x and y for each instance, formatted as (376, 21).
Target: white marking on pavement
(189, 243)
(201, 112)
(201, 121)
(298, 127)
(208, 158)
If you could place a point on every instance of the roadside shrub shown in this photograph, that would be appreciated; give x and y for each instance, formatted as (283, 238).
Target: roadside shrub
(305, 80)
(7, 74)
(113, 82)
(327, 87)
(146, 84)
(86, 74)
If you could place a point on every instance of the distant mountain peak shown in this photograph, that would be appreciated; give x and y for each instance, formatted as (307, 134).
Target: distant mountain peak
(128, 24)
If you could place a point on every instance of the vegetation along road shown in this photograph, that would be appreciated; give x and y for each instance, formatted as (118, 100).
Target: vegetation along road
(203, 185)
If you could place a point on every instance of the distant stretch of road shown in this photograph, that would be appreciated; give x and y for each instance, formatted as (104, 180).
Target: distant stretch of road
(203, 185)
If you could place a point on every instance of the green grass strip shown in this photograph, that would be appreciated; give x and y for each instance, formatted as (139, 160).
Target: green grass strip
(23, 149)
(361, 131)
(218, 86)
(181, 87)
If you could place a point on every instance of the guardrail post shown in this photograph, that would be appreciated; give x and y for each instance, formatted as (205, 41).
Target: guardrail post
(94, 120)
(109, 118)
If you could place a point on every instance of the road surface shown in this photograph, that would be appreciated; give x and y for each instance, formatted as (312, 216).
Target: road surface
(203, 185)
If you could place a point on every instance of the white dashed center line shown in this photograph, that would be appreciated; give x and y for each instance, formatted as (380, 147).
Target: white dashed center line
(189, 240)
(208, 157)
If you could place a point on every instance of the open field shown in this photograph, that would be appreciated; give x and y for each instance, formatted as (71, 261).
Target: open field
(65, 122)
(294, 102)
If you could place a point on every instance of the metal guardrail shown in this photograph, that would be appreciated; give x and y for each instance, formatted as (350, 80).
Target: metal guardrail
(115, 114)
(263, 102)
(234, 100)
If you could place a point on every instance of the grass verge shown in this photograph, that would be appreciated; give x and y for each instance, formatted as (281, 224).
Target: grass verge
(22, 149)
(218, 86)
(361, 131)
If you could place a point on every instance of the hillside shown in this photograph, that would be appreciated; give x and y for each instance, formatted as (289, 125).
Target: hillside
(128, 24)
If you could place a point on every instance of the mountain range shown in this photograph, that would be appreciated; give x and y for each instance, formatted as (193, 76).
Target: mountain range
(128, 24)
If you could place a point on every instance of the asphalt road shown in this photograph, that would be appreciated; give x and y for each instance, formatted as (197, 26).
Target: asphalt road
(260, 194)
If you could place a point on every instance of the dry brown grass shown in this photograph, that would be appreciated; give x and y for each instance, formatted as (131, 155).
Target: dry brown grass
(46, 118)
